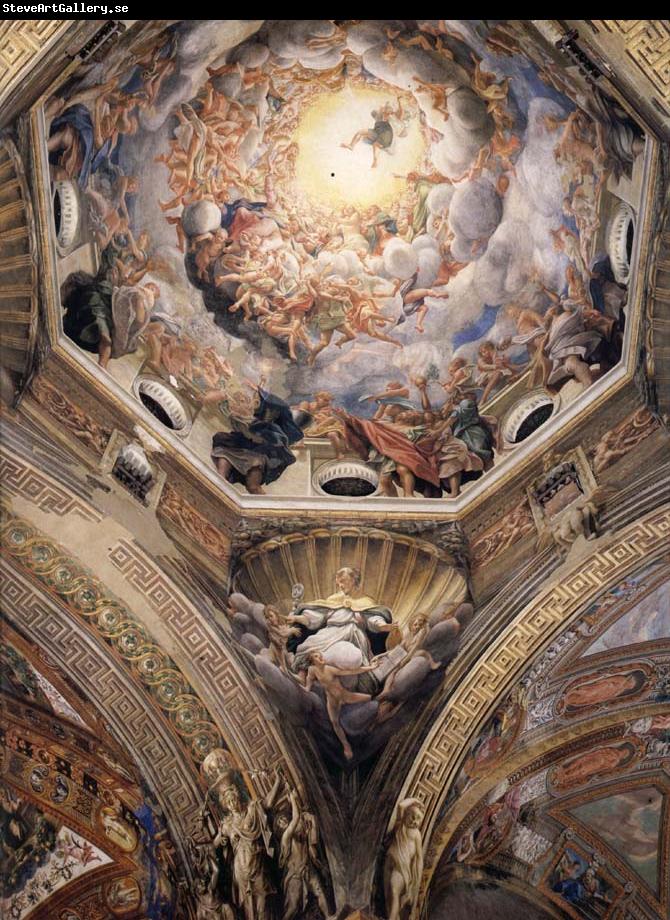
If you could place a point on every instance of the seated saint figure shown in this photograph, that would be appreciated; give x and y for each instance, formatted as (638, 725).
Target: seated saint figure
(348, 628)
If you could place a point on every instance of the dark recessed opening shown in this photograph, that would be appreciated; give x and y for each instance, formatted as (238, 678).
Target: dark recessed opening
(157, 410)
(530, 424)
(353, 486)
(58, 214)
(630, 236)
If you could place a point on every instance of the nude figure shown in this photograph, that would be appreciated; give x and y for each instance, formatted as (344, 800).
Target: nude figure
(325, 423)
(328, 677)
(439, 94)
(278, 633)
(403, 863)
(364, 316)
(114, 115)
(207, 248)
(290, 328)
(494, 367)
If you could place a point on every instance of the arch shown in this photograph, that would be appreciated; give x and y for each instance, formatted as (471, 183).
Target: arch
(497, 670)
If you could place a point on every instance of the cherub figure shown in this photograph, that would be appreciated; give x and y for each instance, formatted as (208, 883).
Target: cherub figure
(208, 247)
(278, 633)
(414, 300)
(290, 329)
(413, 636)
(439, 95)
(364, 315)
(328, 676)
(494, 367)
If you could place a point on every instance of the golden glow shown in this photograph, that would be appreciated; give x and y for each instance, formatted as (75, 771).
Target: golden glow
(327, 173)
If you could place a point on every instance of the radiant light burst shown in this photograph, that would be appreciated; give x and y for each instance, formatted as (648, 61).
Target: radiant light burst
(327, 173)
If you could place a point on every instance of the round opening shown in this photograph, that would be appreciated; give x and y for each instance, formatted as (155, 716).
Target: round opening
(346, 479)
(58, 212)
(351, 486)
(156, 409)
(533, 421)
(630, 236)
(65, 214)
(163, 403)
(620, 239)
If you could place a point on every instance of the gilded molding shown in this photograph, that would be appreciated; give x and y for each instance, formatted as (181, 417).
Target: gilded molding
(110, 685)
(646, 43)
(82, 426)
(251, 731)
(246, 724)
(86, 596)
(22, 43)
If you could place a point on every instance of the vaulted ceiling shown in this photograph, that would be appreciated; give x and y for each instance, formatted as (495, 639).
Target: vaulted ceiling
(242, 563)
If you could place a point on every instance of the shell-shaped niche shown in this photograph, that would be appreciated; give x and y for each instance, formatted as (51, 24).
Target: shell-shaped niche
(404, 573)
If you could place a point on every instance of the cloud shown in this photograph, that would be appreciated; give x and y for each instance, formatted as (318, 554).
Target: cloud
(201, 43)
(505, 239)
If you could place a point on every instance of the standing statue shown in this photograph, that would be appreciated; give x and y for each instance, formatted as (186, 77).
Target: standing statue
(299, 859)
(403, 865)
(210, 905)
(245, 833)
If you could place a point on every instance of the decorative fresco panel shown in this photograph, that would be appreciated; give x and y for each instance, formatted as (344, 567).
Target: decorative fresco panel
(647, 621)
(19, 676)
(40, 855)
(630, 822)
(582, 886)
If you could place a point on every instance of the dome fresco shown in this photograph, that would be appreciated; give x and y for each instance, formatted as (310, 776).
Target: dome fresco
(357, 232)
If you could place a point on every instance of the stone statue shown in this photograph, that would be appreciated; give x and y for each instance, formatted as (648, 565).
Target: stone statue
(299, 860)
(210, 905)
(577, 521)
(245, 835)
(403, 864)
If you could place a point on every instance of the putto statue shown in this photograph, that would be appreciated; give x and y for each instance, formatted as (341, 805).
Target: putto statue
(403, 864)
